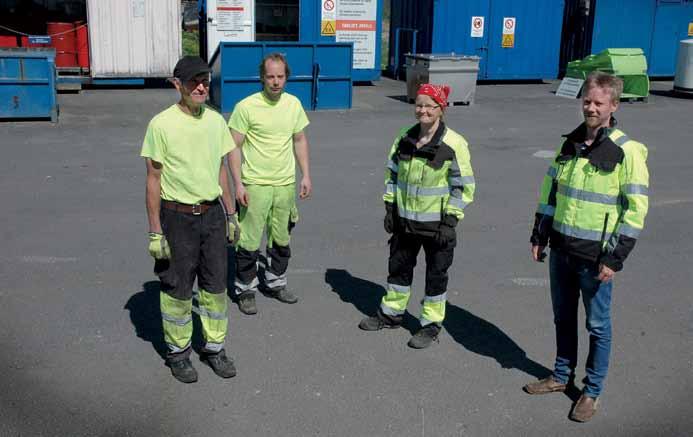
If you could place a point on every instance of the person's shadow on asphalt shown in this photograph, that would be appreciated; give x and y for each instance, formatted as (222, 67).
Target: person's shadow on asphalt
(145, 316)
(472, 332)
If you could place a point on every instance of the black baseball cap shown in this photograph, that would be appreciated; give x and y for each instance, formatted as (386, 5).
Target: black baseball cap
(189, 67)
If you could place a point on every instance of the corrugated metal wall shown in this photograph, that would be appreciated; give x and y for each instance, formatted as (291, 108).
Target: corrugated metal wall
(535, 50)
(134, 38)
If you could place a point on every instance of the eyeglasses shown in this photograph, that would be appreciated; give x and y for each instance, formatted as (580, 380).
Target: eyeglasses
(194, 83)
(427, 107)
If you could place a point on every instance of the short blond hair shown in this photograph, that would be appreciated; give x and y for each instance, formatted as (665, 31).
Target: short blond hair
(599, 79)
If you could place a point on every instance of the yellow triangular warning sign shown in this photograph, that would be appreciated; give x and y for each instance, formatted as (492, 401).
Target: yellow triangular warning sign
(327, 28)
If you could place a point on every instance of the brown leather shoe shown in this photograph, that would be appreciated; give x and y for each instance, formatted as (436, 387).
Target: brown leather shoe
(584, 409)
(544, 386)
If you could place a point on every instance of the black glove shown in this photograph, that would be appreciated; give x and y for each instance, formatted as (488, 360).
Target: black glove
(389, 221)
(446, 233)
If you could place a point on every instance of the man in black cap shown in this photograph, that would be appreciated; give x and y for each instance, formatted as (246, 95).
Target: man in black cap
(191, 217)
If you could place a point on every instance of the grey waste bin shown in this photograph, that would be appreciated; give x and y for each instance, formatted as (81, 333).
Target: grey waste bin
(460, 72)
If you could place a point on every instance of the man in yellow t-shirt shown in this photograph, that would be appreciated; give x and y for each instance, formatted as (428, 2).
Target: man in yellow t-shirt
(187, 205)
(268, 126)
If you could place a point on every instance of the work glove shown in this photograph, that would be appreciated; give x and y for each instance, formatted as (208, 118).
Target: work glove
(293, 218)
(446, 233)
(389, 221)
(233, 231)
(158, 246)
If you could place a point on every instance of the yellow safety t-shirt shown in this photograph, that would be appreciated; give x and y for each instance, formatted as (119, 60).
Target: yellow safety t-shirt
(268, 126)
(190, 149)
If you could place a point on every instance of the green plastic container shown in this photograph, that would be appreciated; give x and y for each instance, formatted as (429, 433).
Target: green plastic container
(628, 64)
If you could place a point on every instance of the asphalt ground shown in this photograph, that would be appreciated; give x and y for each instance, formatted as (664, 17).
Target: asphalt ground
(80, 330)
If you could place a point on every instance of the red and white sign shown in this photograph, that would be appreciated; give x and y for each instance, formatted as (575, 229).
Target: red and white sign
(477, 27)
(356, 22)
(328, 5)
(509, 26)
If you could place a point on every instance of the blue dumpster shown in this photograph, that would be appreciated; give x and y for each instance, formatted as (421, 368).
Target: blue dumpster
(321, 73)
(27, 83)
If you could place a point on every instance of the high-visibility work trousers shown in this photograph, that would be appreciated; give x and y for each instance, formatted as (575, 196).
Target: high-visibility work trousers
(198, 250)
(269, 208)
(404, 248)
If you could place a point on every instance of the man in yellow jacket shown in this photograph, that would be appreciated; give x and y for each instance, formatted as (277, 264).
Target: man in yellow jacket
(592, 208)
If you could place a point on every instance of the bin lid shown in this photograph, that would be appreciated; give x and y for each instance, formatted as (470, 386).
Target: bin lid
(441, 57)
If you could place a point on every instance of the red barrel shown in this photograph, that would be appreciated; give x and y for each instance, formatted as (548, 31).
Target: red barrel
(63, 40)
(8, 41)
(82, 44)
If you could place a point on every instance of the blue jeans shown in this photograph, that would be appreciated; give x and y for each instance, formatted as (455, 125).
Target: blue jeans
(569, 277)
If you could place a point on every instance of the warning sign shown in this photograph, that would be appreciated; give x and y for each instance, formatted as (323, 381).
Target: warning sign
(477, 27)
(508, 40)
(328, 28)
(690, 29)
(328, 22)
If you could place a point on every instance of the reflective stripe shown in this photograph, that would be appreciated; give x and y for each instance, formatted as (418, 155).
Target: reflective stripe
(214, 347)
(587, 196)
(440, 298)
(629, 231)
(454, 167)
(392, 166)
(546, 209)
(405, 289)
(420, 216)
(390, 311)
(618, 141)
(456, 192)
(203, 312)
(390, 188)
(635, 189)
(175, 349)
(241, 287)
(553, 172)
(585, 234)
(462, 180)
(176, 321)
(433, 191)
(424, 321)
(457, 203)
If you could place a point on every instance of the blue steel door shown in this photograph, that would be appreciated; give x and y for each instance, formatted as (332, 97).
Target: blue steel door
(454, 35)
(536, 42)
(670, 26)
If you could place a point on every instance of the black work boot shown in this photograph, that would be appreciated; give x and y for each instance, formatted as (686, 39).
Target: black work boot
(380, 321)
(183, 370)
(246, 303)
(220, 364)
(283, 295)
(425, 336)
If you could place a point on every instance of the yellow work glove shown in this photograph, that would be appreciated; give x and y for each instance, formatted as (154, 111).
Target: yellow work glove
(158, 246)
(233, 231)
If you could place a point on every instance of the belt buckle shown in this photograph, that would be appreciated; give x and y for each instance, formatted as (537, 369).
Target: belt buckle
(197, 209)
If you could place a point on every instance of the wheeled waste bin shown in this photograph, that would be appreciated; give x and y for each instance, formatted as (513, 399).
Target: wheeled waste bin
(459, 72)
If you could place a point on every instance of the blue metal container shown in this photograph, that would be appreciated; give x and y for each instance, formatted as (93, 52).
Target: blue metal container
(27, 83)
(655, 26)
(321, 73)
(445, 26)
(309, 31)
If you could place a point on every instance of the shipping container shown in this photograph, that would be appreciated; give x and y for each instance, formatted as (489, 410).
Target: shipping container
(134, 38)
(27, 84)
(106, 41)
(303, 21)
(515, 40)
(655, 26)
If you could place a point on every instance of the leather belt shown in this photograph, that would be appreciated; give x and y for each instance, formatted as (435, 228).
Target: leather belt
(197, 209)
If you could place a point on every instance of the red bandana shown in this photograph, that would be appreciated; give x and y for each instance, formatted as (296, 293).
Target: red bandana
(439, 93)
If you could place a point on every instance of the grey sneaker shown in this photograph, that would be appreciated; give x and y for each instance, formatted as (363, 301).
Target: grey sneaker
(380, 321)
(220, 364)
(425, 336)
(246, 303)
(183, 370)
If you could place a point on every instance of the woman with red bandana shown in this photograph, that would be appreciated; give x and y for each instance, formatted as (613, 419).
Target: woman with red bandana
(428, 183)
